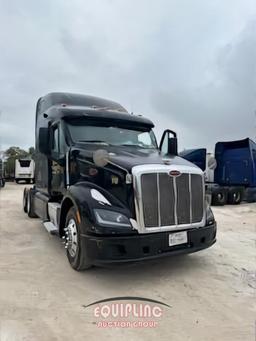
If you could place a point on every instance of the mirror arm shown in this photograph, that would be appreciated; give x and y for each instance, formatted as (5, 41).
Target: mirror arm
(172, 132)
(166, 132)
(162, 140)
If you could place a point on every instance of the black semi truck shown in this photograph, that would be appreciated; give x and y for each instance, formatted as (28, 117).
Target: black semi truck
(108, 190)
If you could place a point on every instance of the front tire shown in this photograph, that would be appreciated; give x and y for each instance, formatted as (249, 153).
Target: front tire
(25, 200)
(75, 245)
(30, 206)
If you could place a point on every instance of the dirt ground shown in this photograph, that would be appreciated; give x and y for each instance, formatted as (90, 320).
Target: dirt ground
(212, 293)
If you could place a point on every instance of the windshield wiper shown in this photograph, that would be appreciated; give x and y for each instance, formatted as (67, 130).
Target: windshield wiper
(94, 141)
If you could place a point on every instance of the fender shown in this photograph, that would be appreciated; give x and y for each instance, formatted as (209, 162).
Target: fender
(79, 196)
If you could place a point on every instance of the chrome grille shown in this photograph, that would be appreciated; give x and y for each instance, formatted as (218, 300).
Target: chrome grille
(171, 201)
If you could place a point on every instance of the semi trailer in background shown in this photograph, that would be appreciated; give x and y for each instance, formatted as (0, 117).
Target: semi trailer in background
(230, 172)
(24, 170)
(105, 187)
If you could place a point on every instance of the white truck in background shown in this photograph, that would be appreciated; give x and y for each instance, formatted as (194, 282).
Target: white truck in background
(24, 170)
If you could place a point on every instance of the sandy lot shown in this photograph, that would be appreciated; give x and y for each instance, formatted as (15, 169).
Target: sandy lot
(212, 293)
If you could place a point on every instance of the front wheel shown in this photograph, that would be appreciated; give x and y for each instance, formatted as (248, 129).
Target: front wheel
(30, 205)
(25, 200)
(75, 245)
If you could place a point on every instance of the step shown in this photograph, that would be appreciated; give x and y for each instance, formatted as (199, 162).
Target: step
(50, 227)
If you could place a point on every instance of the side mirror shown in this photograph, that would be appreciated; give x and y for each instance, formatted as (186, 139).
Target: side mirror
(169, 144)
(43, 141)
(172, 146)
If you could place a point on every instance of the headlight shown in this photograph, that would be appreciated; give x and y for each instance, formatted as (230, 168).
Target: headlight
(96, 195)
(209, 216)
(111, 218)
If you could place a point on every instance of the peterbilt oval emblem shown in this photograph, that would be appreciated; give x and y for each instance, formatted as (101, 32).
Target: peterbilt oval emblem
(174, 173)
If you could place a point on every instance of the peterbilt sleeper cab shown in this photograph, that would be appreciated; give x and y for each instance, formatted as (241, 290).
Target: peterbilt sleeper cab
(108, 190)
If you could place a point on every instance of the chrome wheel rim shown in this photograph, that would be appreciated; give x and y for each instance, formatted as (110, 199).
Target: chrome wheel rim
(71, 237)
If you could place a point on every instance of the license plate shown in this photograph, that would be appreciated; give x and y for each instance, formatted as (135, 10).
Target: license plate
(178, 238)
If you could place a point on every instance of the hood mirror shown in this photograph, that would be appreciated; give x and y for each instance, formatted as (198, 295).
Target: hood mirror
(100, 157)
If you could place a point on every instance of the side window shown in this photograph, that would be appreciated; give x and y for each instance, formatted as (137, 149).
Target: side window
(55, 141)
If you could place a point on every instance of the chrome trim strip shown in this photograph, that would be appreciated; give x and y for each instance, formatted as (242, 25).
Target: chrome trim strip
(190, 199)
(204, 196)
(137, 199)
(158, 200)
(175, 201)
(67, 169)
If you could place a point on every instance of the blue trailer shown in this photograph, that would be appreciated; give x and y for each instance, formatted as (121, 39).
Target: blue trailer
(196, 156)
(235, 172)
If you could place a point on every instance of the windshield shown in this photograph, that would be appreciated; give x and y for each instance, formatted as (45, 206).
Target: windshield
(24, 163)
(116, 136)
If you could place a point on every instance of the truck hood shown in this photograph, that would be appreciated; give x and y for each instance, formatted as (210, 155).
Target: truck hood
(128, 157)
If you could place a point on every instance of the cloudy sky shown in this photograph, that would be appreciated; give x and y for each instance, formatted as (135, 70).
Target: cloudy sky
(188, 65)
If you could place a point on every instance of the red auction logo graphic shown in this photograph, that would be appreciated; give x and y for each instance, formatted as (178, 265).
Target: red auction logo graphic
(136, 312)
